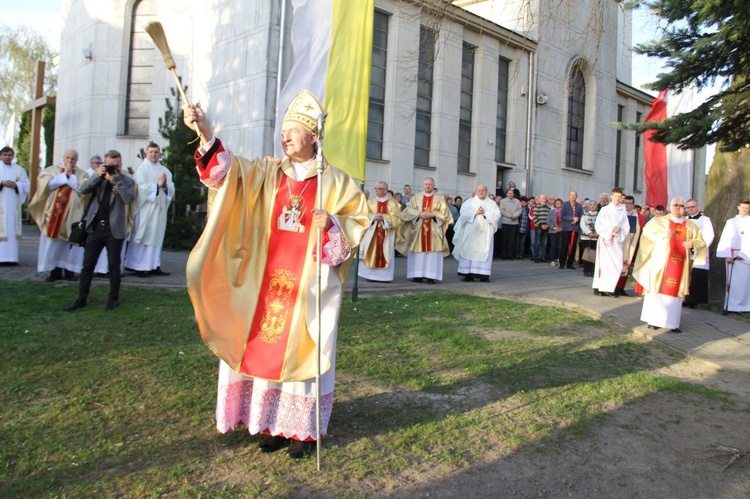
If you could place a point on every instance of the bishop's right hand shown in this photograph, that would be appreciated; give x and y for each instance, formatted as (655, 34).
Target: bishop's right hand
(194, 114)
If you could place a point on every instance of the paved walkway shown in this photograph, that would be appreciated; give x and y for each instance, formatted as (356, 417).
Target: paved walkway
(722, 340)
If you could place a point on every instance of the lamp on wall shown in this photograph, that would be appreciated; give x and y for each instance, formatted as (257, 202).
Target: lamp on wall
(87, 53)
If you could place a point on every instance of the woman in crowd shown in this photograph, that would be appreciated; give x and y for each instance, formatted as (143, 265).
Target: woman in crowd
(589, 236)
(554, 232)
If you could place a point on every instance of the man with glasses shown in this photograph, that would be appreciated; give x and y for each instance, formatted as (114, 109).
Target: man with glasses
(670, 245)
(630, 244)
(699, 274)
(734, 247)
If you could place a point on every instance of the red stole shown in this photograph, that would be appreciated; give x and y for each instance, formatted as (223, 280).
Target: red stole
(425, 231)
(59, 207)
(269, 334)
(380, 261)
(670, 282)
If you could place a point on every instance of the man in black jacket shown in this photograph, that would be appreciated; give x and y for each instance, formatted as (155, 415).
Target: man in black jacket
(106, 225)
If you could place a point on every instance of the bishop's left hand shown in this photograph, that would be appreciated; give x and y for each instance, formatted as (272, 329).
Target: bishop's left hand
(321, 219)
(687, 244)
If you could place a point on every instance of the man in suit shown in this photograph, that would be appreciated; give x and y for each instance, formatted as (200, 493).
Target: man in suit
(106, 225)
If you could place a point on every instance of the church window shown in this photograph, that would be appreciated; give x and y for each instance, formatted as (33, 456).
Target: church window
(140, 70)
(467, 102)
(576, 117)
(376, 116)
(425, 83)
(501, 125)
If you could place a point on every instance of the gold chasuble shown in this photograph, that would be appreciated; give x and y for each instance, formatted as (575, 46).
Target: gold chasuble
(54, 212)
(376, 245)
(425, 236)
(252, 273)
(662, 263)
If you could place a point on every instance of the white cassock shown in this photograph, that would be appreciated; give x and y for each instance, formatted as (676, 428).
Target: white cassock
(10, 210)
(609, 248)
(56, 253)
(389, 250)
(474, 236)
(735, 243)
(144, 246)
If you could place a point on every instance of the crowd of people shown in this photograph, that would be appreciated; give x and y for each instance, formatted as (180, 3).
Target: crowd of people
(123, 216)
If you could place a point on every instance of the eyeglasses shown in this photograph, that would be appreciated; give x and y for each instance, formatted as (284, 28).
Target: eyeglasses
(692, 206)
(678, 205)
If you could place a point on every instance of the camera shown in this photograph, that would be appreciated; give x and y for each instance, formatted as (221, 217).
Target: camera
(111, 169)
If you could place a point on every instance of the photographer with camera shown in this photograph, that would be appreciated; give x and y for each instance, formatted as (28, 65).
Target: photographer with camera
(106, 224)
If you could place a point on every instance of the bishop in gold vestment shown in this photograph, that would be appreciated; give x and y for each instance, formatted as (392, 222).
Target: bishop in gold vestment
(251, 278)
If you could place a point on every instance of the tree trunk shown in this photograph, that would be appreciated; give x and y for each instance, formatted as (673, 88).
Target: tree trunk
(728, 182)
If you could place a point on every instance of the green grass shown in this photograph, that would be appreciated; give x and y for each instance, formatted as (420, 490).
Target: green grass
(106, 404)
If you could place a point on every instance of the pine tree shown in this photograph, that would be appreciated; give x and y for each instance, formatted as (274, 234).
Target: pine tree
(703, 41)
(187, 216)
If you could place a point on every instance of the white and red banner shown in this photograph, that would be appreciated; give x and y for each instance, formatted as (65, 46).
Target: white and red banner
(669, 170)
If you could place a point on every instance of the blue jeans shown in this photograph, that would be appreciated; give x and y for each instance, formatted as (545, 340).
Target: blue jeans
(541, 243)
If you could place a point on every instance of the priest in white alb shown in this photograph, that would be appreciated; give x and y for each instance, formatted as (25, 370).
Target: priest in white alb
(14, 187)
(734, 247)
(55, 206)
(670, 245)
(474, 236)
(155, 193)
(422, 234)
(613, 227)
(377, 251)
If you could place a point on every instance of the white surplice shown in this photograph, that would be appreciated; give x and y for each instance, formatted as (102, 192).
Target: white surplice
(474, 236)
(735, 243)
(609, 248)
(10, 210)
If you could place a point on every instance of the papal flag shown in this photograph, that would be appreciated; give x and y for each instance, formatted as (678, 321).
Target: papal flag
(669, 170)
(331, 57)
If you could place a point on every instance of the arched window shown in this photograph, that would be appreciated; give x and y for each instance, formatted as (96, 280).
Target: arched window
(576, 116)
(140, 70)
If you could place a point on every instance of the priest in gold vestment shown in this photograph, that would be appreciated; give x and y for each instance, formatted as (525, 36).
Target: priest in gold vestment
(55, 206)
(252, 278)
(377, 252)
(670, 245)
(422, 234)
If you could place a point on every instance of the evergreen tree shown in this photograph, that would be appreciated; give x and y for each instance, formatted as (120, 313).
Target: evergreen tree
(48, 124)
(187, 217)
(703, 41)
(24, 140)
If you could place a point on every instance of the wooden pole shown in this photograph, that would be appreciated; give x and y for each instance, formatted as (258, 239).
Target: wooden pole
(36, 107)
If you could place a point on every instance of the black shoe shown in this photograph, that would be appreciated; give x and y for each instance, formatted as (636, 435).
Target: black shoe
(298, 450)
(652, 327)
(597, 292)
(55, 275)
(111, 305)
(467, 278)
(430, 281)
(562, 268)
(271, 444)
(101, 274)
(141, 273)
(484, 279)
(676, 330)
(571, 267)
(75, 305)
(70, 276)
(417, 279)
(159, 271)
(536, 260)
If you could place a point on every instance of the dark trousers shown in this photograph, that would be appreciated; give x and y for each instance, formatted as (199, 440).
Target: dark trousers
(554, 245)
(588, 267)
(520, 244)
(96, 241)
(509, 241)
(568, 240)
(540, 244)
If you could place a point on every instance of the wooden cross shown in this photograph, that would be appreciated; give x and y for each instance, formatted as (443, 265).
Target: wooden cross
(36, 107)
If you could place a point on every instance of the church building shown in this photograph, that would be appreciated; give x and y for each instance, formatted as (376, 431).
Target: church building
(468, 92)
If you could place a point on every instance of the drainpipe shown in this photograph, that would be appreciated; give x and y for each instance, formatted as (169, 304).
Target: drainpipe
(530, 111)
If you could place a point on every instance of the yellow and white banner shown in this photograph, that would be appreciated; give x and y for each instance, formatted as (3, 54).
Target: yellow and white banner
(332, 57)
